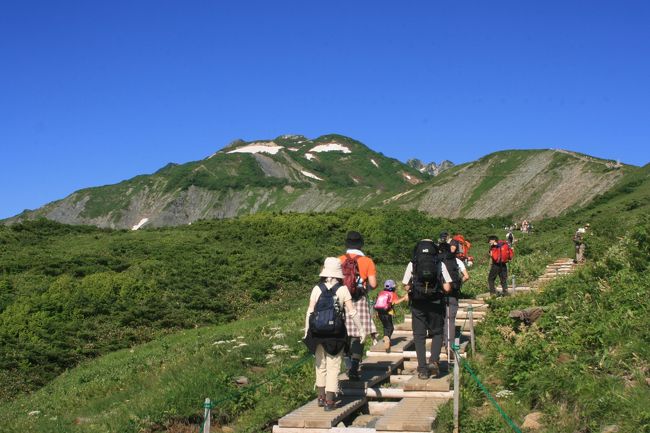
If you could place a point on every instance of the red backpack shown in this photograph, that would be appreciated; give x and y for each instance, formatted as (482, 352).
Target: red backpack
(351, 278)
(502, 252)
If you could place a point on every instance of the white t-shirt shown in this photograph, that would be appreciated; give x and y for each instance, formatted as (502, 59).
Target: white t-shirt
(408, 273)
(342, 295)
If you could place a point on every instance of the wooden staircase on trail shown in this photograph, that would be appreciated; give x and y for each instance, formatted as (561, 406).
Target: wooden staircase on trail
(559, 268)
(389, 398)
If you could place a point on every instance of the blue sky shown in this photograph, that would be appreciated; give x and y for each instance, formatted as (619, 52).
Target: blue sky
(92, 93)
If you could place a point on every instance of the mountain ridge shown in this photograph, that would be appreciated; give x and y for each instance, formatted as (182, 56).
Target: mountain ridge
(292, 173)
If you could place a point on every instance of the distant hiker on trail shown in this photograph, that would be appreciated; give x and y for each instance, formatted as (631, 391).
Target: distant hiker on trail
(325, 331)
(579, 241)
(525, 226)
(384, 305)
(427, 280)
(510, 237)
(500, 253)
(458, 272)
(360, 275)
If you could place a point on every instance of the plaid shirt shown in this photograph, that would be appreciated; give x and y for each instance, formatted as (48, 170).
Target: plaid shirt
(365, 317)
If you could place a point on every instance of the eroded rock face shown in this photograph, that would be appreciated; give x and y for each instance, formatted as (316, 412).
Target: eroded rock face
(540, 184)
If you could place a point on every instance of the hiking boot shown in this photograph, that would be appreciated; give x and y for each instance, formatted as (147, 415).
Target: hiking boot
(387, 343)
(423, 376)
(354, 375)
(330, 405)
(321, 401)
(434, 368)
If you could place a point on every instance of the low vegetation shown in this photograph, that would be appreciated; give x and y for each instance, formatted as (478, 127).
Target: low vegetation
(129, 331)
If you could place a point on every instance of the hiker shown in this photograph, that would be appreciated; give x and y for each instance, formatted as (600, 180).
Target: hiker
(384, 305)
(510, 237)
(360, 274)
(448, 254)
(500, 253)
(427, 280)
(579, 241)
(328, 299)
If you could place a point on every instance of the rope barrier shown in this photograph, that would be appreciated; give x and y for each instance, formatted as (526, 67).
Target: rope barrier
(485, 391)
(238, 393)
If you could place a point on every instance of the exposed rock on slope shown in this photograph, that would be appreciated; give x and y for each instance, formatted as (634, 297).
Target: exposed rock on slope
(295, 174)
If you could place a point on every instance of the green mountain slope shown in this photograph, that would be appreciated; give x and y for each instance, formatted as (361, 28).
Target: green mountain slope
(296, 174)
(289, 173)
(524, 183)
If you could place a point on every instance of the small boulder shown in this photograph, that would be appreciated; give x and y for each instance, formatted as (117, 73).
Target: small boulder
(533, 421)
(241, 380)
(610, 429)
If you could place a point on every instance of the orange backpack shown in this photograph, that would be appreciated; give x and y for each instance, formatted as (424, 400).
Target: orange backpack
(463, 247)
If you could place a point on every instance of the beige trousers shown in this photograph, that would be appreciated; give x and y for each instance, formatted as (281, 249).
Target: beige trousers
(328, 368)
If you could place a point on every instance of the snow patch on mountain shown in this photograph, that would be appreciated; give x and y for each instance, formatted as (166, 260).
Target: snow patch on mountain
(374, 163)
(309, 156)
(259, 147)
(312, 175)
(331, 147)
(139, 225)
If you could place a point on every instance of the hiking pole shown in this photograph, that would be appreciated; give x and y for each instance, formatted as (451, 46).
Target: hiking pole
(457, 362)
(449, 330)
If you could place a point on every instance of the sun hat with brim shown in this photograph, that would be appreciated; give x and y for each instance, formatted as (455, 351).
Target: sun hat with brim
(332, 268)
(354, 240)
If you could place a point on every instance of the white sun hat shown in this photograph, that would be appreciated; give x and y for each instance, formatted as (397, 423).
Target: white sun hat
(332, 268)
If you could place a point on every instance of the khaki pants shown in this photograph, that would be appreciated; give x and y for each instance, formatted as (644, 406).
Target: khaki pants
(580, 253)
(328, 368)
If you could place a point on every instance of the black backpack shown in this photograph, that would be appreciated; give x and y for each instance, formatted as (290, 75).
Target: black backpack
(454, 272)
(327, 318)
(426, 272)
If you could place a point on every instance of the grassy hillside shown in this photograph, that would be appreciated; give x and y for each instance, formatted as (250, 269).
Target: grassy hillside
(73, 293)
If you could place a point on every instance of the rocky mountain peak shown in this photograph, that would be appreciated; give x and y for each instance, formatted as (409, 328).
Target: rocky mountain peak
(431, 168)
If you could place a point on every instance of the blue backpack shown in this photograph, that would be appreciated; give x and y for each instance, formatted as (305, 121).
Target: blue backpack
(327, 318)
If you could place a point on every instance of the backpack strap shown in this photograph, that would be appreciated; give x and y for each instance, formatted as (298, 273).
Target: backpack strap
(323, 288)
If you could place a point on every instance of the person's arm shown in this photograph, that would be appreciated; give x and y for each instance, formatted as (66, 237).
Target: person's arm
(372, 282)
(372, 276)
(446, 278)
(310, 309)
(408, 275)
(465, 275)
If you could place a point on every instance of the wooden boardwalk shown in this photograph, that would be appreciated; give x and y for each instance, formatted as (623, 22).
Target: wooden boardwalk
(384, 400)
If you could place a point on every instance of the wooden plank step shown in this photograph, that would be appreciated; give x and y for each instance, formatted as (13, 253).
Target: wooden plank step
(414, 414)
(384, 362)
(460, 323)
(437, 384)
(310, 415)
(376, 392)
(398, 344)
(369, 377)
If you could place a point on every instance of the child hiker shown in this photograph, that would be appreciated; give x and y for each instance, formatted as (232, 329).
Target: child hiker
(384, 303)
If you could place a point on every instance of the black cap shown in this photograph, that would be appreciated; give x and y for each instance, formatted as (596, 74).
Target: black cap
(354, 240)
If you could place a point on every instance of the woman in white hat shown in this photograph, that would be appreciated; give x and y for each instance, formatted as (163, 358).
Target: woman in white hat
(325, 332)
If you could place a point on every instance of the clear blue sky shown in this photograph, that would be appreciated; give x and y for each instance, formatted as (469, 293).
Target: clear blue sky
(95, 92)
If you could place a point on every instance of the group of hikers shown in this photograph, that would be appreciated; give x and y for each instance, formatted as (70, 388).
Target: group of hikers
(339, 316)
